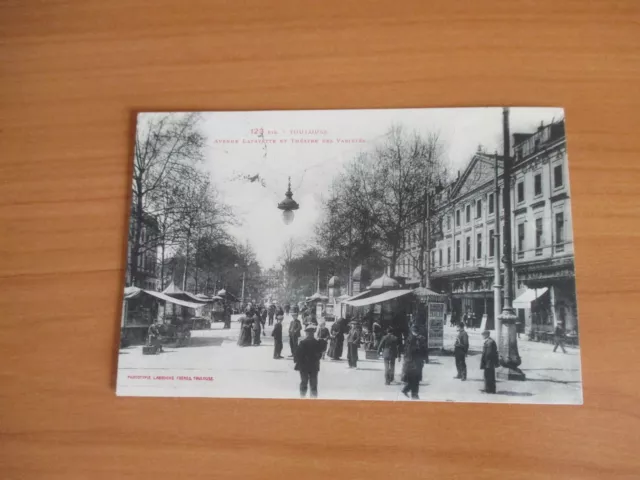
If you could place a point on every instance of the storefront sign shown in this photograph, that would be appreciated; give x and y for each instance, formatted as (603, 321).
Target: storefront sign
(436, 325)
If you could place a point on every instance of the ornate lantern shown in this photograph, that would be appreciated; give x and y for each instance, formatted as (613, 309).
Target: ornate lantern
(288, 206)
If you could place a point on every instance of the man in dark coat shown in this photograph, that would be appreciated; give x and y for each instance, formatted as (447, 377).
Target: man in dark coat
(389, 348)
(277, 338)
(272, 313)
(489, 362)
(337, 339)
(558, 337)
(323, 336)
(353, 343)
(307, 361)
(414, 355)
(295, 328)
(460, 350)
(226, 312)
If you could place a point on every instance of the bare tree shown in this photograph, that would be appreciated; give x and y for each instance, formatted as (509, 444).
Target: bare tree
(165, 146)
(383, 194)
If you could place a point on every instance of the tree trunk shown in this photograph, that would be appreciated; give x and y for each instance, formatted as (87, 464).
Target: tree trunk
(394, 259)
(137, 233)
(186, 264)
(162, 249)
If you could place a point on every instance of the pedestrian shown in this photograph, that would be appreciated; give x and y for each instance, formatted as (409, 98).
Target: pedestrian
(246, 324)
(460, 350)
(323, 336)
(257, 328)
(295, 327)
(307, 362)
(489, 362)
(272, 313)
(558, 337)
(287, 308)
(263, 317)
(389, 348)
(227, 316)
(413, 362)
(353, 343)
(277, 338)
(336, 344)
(377, 334)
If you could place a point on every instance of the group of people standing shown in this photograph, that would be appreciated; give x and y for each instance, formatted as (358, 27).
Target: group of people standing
(489, 360)
(310, 342)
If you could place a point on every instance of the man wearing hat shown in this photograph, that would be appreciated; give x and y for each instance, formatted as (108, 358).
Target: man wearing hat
(414, 355)
(489, 362)
(389, 348)
(295, 327)
(277, 337)
(307, 362)
(460, 349)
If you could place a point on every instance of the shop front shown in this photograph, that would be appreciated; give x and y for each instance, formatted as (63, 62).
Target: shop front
(553, 284)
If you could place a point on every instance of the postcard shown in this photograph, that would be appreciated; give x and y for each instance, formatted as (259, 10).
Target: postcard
(391, 254)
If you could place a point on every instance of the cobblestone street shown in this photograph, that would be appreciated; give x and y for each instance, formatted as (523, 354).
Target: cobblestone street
(251, 372)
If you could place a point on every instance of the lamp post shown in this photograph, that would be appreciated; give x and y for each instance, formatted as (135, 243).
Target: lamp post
(508, 341)
(288, 206)
(242, 294)
(497, 293)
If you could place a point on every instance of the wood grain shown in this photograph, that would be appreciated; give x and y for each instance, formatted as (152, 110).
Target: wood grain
(72, 75)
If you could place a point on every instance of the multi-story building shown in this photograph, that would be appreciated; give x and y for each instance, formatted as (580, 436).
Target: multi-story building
(463, 257)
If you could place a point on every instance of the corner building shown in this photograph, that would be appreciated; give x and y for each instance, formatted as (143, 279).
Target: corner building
(463, 258)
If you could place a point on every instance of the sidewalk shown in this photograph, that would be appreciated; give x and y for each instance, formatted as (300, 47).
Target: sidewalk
(251, 372)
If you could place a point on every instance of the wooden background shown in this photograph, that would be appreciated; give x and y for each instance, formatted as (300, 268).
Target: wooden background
(72, 74)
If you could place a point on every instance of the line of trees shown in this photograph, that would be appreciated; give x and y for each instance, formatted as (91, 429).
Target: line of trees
(381, 208)
(383, 195)
(177, 215)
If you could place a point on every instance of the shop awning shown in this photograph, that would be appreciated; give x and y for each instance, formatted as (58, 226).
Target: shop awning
(382, 297)
(347, 298)
(175, 301)
(525, 299)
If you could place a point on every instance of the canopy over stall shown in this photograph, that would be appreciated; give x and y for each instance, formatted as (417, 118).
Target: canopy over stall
(382, 297)
(134, 292)
(175, 292)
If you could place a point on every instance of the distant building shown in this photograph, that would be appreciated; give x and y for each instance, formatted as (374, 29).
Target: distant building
(272, 281)
(462, 259)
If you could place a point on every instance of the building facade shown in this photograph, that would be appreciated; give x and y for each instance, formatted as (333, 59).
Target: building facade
(463, 256)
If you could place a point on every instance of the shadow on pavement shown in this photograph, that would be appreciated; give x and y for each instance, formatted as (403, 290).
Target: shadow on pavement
(205, 341)
(552, 380)
(514, 394)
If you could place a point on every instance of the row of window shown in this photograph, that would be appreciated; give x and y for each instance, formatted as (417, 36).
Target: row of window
(559, 241)
(558, 181)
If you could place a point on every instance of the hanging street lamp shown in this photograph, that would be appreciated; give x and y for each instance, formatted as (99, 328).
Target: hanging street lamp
(288, 206)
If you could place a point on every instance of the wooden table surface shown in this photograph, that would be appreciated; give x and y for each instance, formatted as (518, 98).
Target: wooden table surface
(72, 76)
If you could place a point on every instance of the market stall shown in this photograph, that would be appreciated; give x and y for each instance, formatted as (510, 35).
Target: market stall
(141, 308)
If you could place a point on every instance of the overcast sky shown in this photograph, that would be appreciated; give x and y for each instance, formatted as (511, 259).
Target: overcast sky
(313, 165)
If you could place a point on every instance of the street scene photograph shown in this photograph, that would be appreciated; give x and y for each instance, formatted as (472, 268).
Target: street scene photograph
(385, 255)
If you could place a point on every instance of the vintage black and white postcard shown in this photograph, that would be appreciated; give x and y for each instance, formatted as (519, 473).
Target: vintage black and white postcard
(409, 254)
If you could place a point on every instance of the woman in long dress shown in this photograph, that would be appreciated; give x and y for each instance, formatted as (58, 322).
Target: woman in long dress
(244, 340)
(337, 340)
